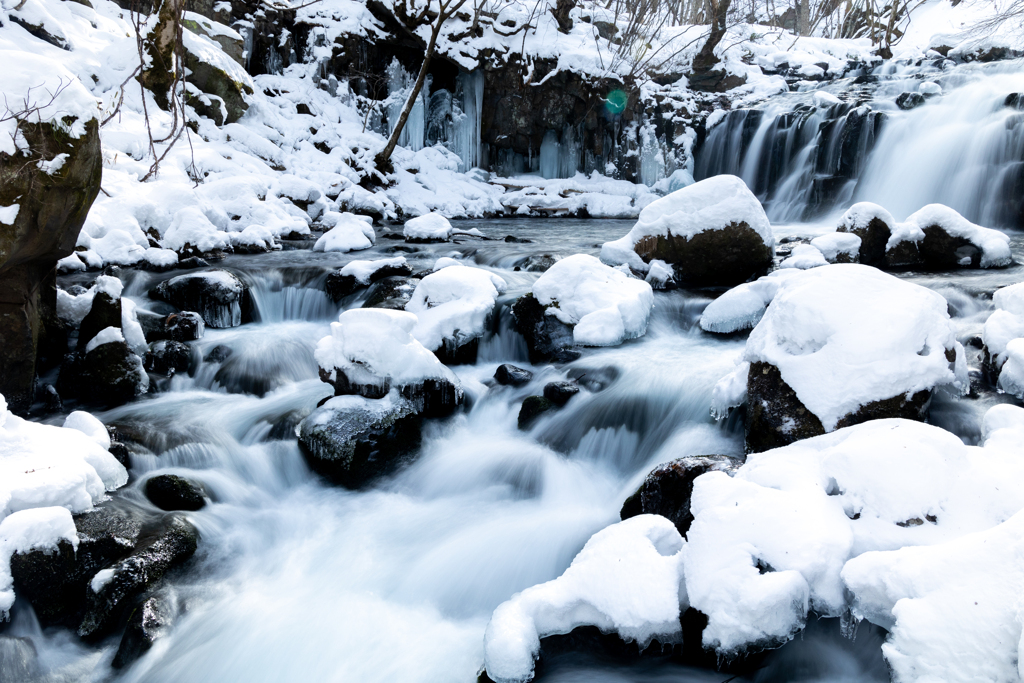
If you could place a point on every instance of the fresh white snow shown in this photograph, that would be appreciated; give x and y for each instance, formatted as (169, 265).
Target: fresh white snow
(453, 303)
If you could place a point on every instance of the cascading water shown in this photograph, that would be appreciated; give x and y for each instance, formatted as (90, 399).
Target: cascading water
(964, 148)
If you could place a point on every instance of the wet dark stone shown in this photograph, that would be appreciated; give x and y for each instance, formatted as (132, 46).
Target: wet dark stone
(170, 492)
(217, 295)
(510, 375)
(559, 393)
(109, 375)
(910, 100)
(105, 312)
(512, 239)
(391, 292)
(535, 263)
(184, 326)
(121, 453)
(532, 408)
(168, 357)
(51, 399)
(452, 352)
(339, 286)
(192, 262)
(147, 623)
(1014, 100)
(354, 446)
(170, 544)
(776, 417)
(942, 251)
(218, 354)
(667, 488)
(594, 379)
(545, 335)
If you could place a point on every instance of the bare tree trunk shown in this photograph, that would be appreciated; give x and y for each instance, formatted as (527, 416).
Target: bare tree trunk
(383, 159)
(803, 17)
(561, 12)
(705, 60)
(161, 45)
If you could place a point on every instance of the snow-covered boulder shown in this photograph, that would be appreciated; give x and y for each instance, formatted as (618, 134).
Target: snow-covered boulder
(713, 232)
(371, 351)
(431, 227)
(579, 301)
(842, 344)
(818, 526)
(452, 307)
(348, 232)
(46, 473)
(626, 580)
(217, 295)
(838, 247)
(1005, 325)
(935, 237)
(874, 226)
(358, 274)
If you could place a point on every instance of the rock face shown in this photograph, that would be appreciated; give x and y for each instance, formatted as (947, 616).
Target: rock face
(129, 548)
(667, 489)
(217, 295)
(353, 441)
(52, 210)
(171, 492)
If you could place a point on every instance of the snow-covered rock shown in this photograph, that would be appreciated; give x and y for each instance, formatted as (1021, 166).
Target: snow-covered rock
(217, 295)
(804, 256)
(46, 473)
(452, 307)
(431, 227)
(348, 232)
(743, 306)
(372, 350)
(357, 274)
(580, 301)
(808, 526)
(1011, 376)
(844, 343)
(874, 226)
(1003, 327)
(626, 580)
(838, 247)
(713, 232)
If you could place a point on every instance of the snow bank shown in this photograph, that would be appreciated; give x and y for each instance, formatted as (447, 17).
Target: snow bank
(626, 580)
(779, 538)
(711, 204)
(380, 341)
(804, 256)
(605, 305)
(453, 303)
(743, 306)
(845, 335)
(430, 227)
(349, 232)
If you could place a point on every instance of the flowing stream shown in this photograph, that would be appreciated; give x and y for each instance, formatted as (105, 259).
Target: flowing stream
(296, 580)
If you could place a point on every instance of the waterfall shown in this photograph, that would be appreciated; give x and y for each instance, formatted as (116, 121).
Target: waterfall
(964, 148)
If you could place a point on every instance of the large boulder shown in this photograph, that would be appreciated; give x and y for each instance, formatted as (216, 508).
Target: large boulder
(109, 373)
(667, 489)
(147, 624)
(581, 302)
(217, 295)
(839, 345)
(351, 440)
(49, 176)
(171, 492)
(453, 307)
(713, 232)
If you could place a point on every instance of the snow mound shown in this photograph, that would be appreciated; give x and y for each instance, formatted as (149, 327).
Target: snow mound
(1011, 377)
(993, 244)
(711, 204)
(429, 227)
(380, 341)
(349, 232)
(1005, 325)
(743, 306)
(804, 256)
(605, 305)
(835, 245)
(845, 335)
(779, 538)
(860, 215)
(626, 580)
(453, 303)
